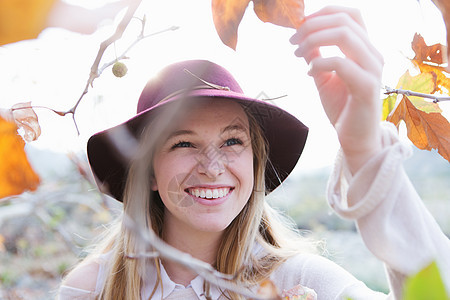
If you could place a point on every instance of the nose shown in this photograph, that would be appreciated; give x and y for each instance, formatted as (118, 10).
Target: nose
(211, 162)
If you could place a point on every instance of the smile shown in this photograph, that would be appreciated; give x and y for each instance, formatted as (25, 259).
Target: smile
(209, 193)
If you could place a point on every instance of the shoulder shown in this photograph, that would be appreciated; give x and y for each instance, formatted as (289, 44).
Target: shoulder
(309, 269)
(83, 277)
(309, 264)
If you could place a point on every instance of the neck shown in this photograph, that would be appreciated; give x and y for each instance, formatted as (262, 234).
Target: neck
(199, 244)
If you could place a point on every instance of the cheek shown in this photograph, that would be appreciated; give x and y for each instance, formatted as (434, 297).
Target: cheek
(169, 168)
(242, 167)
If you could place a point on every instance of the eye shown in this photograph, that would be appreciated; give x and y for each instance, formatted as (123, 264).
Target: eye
(182, 144)
(233, 141)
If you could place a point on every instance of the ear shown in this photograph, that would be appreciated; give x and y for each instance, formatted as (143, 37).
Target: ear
(153, 183)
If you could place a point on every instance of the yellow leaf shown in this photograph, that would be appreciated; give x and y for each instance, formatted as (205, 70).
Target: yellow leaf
(22, 19)
(388, 106)
(422, 83)
(16, 174)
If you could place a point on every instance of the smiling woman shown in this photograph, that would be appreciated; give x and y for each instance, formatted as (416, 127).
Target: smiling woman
(196, 162)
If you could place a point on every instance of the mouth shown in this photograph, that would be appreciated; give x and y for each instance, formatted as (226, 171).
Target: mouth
(209, 193)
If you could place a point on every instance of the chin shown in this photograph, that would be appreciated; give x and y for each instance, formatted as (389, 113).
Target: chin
(213, 227)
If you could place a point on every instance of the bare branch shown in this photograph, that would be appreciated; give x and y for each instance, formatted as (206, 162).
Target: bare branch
(138, 39)
(203, 269)
(103, 46)
(435, 98)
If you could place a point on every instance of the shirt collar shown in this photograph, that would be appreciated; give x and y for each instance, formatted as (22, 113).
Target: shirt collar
(168, 286)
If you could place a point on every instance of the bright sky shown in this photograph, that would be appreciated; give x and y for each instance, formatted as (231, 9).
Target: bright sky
(53, 69)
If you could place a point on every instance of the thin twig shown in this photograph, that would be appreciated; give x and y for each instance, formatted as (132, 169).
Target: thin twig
(435, 98)
(138, 39)
(203, 269)
(95, 70)
(103, 46)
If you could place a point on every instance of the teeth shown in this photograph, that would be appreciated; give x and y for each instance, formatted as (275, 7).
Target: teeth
(209, 193)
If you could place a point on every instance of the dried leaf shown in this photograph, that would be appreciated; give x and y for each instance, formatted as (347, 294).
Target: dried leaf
(444, 7)
(299, 292)
(429, 60)
(16, 174)
(2, 243)
(227, 15)
(426, 130)
(26, 119)
(268, 290)
(424, 53)
(286, 13)
(22, 19)
(442, 81)
(422, 83)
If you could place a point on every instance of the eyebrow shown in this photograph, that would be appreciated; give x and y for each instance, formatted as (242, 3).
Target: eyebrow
(180, 132)
(232, 127)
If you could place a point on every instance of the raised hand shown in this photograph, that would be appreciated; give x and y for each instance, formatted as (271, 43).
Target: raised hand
(348, 86)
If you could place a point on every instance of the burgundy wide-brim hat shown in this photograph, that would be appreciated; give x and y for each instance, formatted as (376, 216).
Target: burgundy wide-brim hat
(194, 79)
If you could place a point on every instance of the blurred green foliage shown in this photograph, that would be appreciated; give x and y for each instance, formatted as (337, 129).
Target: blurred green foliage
(425, 285)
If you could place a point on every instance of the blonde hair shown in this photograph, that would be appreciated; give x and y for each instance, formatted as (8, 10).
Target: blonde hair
(257, 223)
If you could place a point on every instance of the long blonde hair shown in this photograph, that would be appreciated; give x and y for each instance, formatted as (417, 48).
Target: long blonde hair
(257, 223)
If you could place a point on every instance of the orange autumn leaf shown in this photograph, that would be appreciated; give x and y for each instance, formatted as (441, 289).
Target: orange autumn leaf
(16, 174)
(228, 14)
(425, 53)
(22, 19)
(426, 130)
(286, 13)
(429, 59)
(268, 290)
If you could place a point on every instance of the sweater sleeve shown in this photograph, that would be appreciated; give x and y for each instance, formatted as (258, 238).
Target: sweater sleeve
(389, 214)
(71, 293)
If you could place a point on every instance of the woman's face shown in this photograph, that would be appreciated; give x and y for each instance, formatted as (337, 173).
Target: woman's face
(203, 171)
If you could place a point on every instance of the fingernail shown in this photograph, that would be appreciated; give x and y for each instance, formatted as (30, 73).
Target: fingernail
(299, 52)
(292, 39)
(310, 72)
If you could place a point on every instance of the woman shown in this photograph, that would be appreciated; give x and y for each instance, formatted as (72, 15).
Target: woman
(207, 156)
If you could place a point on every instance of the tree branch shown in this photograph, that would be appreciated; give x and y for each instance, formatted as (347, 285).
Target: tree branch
(96, 71)
(435, 98)
(138, 39)
(103, 46)
(205, 270)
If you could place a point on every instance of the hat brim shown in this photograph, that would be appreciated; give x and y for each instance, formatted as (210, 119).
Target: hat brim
(285, 134)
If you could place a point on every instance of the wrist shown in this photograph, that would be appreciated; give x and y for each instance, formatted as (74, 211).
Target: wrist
(357, 159)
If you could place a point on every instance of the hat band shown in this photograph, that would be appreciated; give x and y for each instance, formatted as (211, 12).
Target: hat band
(186, 91)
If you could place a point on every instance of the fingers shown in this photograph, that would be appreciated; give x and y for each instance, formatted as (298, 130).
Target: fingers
(347, 70)
(338, 26)
(352, 12)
